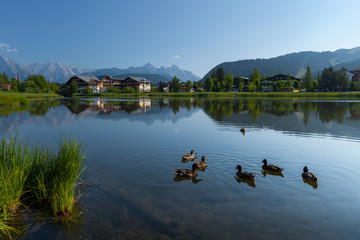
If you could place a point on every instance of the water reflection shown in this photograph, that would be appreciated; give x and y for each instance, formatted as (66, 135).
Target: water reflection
(314, 184)
(232, 112)
(249, 182)
(265, 172)
(185, 178)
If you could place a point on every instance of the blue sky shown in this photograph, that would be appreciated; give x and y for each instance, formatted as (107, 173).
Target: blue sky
(196, 35)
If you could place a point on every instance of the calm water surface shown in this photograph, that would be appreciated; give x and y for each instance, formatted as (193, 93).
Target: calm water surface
(134, 146)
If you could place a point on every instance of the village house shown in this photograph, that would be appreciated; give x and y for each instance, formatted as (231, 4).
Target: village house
(267, 83)
(355, 75)
(83, 81)
(137, 83)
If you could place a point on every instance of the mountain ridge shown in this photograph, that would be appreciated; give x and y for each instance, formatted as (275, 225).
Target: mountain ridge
(293, 63)
(148, 68)
(61, 72)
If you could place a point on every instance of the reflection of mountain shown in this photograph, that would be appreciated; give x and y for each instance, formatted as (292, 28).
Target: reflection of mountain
(71, 111)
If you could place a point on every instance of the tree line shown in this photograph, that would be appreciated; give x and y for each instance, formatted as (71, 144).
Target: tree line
(32, 84)
(330, 80)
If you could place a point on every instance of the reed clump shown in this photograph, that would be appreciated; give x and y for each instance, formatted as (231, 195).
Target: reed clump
(44, 176)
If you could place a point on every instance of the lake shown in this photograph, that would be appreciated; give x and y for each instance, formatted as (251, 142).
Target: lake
(134, 146)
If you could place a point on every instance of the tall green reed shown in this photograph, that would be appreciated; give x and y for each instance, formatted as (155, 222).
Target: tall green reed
(55, 176)
(42, 175)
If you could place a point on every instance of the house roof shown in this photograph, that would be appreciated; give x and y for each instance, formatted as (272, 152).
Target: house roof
(138, 79)
(86, 78)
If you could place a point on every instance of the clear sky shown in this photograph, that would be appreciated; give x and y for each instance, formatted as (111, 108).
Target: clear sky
(196, 35)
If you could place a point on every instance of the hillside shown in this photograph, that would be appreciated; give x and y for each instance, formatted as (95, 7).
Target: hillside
(294, 64)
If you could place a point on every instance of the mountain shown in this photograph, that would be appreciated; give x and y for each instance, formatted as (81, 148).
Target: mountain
(154, 78)
(294, 64)
(53, 71)
(165, 72)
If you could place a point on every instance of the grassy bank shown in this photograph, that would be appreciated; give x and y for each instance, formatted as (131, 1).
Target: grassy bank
(325, 95)
(43, 176)
(15, 99)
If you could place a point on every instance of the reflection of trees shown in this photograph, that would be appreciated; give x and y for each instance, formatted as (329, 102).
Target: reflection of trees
(354, 111)
(175, 105)
(220, 108)
(41, 107)
(254, 109)
(328, 111)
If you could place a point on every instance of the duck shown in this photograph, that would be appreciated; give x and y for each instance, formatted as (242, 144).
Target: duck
(243, 130)
(201, 164)
(187, 172)
(188, 156)
(270, 168)
(244, 175)
(308, 176)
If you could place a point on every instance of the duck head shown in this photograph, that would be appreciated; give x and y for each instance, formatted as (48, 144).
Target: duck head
(203, 158)
(238, 167)
(192, 152)
(305, 169)
(264, 161)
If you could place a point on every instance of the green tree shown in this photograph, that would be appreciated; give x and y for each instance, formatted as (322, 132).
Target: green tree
(229, 80)
(332, 80)
(74, 88)
(4, 78)
(54, 87)
(288, 84)
(241, 86)
(255, 75)
(296, 84)
(14, 82)
(308, 80)
(175, 85)
(88, 91)
(352, 86)
(188, 86)
(209, 84)
(252, 86)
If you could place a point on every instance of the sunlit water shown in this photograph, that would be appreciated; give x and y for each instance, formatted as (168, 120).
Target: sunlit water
(134, 146)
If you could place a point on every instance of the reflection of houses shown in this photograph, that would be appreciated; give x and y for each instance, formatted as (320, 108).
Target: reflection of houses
(141, 105)
(267, 83)
(83, 81)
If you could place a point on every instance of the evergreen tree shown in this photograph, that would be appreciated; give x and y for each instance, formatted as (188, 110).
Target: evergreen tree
(308, 80)
(296, 84)
(255, 76)
(175, 85)
(209, 84)
(288, 83)
(188, 86)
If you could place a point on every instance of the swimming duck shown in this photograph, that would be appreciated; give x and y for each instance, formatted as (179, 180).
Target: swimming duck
(244, 175)
(243, 130)
(187, 172)
(271, 168)
(188, 156)
(201, 164)
(306, 175)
